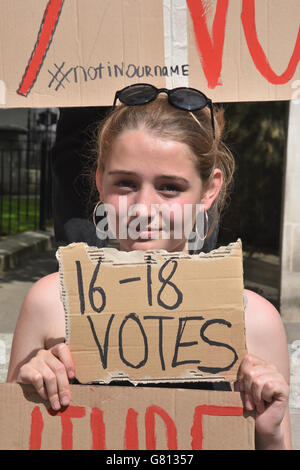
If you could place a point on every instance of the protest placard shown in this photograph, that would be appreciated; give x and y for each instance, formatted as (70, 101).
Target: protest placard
(152, 315)
(125, 418)
(74, 53)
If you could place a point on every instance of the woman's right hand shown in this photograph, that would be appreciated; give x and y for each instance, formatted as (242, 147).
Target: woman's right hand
(49, 372)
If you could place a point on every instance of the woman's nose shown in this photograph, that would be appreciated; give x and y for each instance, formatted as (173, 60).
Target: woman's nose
(144, 201)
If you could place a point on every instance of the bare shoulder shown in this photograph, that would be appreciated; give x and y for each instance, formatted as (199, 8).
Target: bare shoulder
(46, 286)
(40, 325)
(265, 332)
(43, 301)
(261, 312)
(42, 310)
(42, 295)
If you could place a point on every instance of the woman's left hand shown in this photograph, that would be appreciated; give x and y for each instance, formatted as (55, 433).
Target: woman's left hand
(267, 392)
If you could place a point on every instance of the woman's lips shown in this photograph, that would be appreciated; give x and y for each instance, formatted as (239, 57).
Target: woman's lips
(145, 234)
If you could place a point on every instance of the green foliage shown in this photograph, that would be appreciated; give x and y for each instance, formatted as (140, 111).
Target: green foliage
(18, 214)
(256, 135)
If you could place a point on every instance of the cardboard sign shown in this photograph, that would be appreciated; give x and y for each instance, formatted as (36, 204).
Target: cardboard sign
(78, 53)
(129, 418)
(147, 316)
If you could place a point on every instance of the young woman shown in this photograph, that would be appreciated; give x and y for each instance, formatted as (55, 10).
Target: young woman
(158, 150)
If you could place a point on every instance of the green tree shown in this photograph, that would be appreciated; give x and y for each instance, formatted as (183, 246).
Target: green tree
(256, 135)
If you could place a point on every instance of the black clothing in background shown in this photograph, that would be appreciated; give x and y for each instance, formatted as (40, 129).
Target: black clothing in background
(71, 183)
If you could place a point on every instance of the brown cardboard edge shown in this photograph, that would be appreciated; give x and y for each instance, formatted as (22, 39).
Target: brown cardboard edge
(63, 295)
(110, 255)
(115, 381)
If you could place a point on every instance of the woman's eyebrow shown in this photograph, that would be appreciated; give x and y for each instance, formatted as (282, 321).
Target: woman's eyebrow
(174, 178)
(132, 173)
(122, 172)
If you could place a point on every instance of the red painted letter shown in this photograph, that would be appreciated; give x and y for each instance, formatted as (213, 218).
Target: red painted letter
(211, 49)
(257, 53)
(131, 437)
(37, 425)
(98, 429)
(43, 42)
(150, 428)
(196, 431)
(66, 423)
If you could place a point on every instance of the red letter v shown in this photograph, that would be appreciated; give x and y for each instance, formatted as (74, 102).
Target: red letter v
(210, 49)
(257, 53)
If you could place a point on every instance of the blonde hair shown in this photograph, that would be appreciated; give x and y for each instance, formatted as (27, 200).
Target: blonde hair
(166, 121)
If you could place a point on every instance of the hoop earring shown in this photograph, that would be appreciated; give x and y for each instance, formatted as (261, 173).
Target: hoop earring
(103, 233)
(205, 227)
(94, 213)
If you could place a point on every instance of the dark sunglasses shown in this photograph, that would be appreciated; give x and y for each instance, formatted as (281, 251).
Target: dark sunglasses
(188, 99)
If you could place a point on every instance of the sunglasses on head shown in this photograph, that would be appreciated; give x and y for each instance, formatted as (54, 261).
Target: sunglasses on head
(188, 99)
